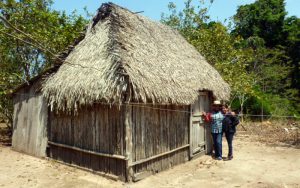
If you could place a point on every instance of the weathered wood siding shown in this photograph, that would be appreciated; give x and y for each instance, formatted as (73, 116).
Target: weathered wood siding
(30, 121)
(157, 129)
(99, 128)
(154, 130)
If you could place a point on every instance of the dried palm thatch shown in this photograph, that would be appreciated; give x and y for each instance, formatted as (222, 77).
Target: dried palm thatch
(125, 56)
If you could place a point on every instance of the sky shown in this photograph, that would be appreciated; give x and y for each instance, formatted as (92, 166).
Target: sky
(219, 11)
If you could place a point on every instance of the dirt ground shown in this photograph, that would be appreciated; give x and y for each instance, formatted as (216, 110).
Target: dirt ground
(254, 165)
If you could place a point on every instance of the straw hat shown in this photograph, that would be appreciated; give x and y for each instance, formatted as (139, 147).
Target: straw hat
(217, 102)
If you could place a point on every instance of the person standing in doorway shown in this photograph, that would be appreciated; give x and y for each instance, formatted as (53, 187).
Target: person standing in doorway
(229, 124)
(215, 118)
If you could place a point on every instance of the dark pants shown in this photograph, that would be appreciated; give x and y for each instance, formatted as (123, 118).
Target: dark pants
(217, 139)
(229, 138)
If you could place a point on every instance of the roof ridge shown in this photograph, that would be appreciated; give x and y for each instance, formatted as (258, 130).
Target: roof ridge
(109, 10)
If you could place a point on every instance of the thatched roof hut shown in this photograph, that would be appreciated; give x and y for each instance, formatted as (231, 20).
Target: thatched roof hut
(138, 89)
(124, 54)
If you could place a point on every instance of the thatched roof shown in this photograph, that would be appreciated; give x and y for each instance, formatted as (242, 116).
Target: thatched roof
(126, 56)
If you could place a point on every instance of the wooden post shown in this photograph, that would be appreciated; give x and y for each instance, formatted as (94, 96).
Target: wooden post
(128, 142)
(190, 132)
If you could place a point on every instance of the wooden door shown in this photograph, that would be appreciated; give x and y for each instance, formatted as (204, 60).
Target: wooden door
(197, 125)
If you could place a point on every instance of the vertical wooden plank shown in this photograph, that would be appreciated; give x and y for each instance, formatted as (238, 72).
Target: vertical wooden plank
(128, 141)
(49, 132)
(118, 129)
(99, 132)
(149, 135)
(109, 138)
(122, 129)
(112, 132)
(71, 116)
(67, 131)
(163, 117)
(187, 120)
(25, 119)
(78, 137)
(176, 127)
(75, 137)
(187, 129)
(166, 136)
(145, 126)
(179, 131)
(152, 131)
(143, 133)
(105, 138)
(134, 133)
(122, 122)
(191, 136)
(138, 136)
(158, 138)
(81, 137)
(169, 125)
(93, 141)
(29, 133)
(161, 134)
(89, 135)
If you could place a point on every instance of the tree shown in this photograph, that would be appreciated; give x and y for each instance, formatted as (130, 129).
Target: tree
(51, 29)
(275, 41)
(263, 18)
(23, 56)
(215, 43)
(211, 39)
(292, 43)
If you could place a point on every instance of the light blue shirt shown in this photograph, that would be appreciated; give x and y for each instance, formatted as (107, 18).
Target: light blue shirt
(216, 122)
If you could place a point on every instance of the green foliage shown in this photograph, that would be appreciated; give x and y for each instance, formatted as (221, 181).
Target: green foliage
(270, 104)
(214, 42)
(7, 81)
(263, 18)
(277, 61)
(51, 30)
(259, 58)
(292, 43)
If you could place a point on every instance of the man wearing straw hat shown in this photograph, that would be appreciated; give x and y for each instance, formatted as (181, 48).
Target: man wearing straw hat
(215, 118)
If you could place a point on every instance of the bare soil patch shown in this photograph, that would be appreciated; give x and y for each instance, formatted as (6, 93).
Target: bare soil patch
(273, 132)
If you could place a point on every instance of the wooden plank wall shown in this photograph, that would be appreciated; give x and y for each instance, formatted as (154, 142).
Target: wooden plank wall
(158, 131)
(30, 121)
(98, 128)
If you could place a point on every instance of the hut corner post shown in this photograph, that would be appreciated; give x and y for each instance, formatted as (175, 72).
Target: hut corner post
(128, 142)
